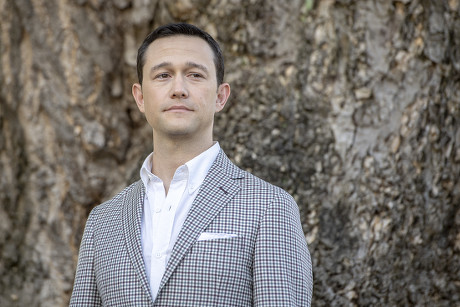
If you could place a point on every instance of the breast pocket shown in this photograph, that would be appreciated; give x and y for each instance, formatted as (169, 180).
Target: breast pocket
(222, 258)
(218, 246)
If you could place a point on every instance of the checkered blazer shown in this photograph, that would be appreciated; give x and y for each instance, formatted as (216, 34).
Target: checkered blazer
(265, 261)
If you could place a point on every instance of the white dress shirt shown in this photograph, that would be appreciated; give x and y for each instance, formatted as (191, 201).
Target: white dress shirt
(164, 215)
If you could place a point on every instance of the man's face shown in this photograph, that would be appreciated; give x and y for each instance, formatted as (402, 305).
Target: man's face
(179, 94)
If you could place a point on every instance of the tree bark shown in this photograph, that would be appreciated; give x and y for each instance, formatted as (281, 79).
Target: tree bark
(352, 106)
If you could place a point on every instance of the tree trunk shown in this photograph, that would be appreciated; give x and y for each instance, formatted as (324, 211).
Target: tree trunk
(353, 106)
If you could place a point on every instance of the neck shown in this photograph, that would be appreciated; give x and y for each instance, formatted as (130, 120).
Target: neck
(169, 154)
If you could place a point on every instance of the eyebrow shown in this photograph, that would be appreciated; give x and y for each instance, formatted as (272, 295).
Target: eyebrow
(196, 65)
(188, 65)
(159, 66)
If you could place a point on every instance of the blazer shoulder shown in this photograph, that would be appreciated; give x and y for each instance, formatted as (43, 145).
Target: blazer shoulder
(255, 187)
(252, 181)
(247, 180)
(115, 204)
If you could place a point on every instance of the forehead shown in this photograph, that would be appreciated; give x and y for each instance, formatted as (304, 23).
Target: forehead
(179, 48)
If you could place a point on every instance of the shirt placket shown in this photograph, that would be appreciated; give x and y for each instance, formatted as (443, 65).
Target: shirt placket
(157, 261)
(163, 212)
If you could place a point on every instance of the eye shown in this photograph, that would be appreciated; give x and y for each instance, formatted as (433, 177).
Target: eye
(162, 76)
(195, 75)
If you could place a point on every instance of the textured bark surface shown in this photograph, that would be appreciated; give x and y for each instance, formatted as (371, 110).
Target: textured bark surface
(353, 106)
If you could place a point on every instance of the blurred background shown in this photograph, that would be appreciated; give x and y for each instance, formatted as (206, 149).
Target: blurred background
(352, 106)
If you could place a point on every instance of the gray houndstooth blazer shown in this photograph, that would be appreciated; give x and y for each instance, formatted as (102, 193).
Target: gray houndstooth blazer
(267, 263)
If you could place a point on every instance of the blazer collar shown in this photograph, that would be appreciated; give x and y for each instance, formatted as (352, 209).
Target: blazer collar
(132, 216)
(218, 188)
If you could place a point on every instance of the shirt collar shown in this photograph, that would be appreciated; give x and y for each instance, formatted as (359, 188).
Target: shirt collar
(197, 168)
(146, 171)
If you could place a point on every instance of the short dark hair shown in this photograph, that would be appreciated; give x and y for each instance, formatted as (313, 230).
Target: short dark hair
(174, 29)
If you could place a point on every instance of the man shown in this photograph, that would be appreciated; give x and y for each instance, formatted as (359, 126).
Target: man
(195, 230)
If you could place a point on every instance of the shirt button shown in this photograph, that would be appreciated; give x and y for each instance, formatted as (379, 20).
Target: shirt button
(157, 209)
(158, 255)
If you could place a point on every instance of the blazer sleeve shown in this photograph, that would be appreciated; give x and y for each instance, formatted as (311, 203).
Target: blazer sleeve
(85, 291)
(282, 263)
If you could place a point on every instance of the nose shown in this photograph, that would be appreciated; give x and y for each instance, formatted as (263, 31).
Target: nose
(179, 89)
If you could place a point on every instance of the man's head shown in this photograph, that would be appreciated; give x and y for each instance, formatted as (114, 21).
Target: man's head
(180, 93)
(181, 29)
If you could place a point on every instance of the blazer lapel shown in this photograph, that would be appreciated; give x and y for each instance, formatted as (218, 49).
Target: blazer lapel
(133, 206)
(218, 188)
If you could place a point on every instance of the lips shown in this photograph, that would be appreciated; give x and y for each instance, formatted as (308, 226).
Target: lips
(178, 108)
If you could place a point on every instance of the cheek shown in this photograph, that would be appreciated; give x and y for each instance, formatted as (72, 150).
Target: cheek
(210, 100)
(152, 101)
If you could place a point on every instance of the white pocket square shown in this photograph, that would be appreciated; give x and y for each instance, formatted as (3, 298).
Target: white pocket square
(205, 236)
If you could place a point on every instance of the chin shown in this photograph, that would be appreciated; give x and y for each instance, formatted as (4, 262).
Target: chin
(179, 133)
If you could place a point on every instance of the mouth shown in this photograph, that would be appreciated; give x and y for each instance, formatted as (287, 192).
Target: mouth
(178, 108)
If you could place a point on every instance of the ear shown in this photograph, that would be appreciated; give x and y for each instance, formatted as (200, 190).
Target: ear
(138, 96)
(223, 92)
